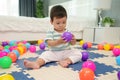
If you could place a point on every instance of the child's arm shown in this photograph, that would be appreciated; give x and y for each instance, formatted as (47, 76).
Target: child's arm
(56, 42)
(73, 41)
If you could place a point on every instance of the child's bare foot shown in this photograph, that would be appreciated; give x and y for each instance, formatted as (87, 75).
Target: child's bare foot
(65, 63)
(29, 64)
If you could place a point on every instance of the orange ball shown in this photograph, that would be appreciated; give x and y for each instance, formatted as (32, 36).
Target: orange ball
(86, 74)
(13, 56)
(100, 47)
(89, 44)
(24, 49)
(111, 46)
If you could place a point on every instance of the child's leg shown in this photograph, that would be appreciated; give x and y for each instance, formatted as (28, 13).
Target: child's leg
(70, 57)
(34, 65)
(65, 63)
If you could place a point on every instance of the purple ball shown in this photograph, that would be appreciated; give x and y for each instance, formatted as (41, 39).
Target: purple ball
(85, 46)
(67, 36)
(4, 43)
(118, 75)
(85, 56)
(42, 46)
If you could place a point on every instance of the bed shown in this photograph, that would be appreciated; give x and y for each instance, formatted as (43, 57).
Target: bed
(30, 28)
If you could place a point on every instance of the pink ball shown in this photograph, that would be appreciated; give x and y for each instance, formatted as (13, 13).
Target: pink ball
(32, 48)
(3, 53)
(89, 64)
(116, 51)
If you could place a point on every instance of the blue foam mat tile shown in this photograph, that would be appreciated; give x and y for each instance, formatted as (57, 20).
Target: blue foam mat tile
(93, 55)
(103, 69)
(21, 76)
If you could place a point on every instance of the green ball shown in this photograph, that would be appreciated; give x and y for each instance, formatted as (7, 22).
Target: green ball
(7, 47)
(5, 62)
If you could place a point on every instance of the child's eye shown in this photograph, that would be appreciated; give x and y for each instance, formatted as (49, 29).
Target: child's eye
(58, 23)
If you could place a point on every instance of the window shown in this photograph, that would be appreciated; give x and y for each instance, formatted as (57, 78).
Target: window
(9, 7)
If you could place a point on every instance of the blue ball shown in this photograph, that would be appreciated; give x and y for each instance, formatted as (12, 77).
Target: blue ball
(16, 52)
(118, 60)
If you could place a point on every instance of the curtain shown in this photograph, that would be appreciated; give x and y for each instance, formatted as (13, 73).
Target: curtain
(27, 8)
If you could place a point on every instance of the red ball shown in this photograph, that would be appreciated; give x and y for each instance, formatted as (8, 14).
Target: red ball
(13, 56)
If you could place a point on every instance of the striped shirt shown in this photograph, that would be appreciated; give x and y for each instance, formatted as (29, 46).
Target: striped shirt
(54, 35)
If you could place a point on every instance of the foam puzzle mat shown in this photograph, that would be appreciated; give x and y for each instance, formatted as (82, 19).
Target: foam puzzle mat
(106, 67)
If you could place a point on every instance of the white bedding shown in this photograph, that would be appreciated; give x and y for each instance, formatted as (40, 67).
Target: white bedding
(14, 27)
(23, 24)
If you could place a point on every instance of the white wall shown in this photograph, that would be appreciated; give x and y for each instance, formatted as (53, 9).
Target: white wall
(79, 8)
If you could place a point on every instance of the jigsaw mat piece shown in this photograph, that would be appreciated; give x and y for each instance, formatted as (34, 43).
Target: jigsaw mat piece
(53, 73)
(106, 67)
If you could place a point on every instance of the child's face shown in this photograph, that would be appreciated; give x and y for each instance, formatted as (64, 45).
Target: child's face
(59, 23)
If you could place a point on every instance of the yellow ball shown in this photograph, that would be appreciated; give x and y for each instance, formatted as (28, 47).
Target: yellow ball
(107, 47)
(21, 50)
(40, 41)
(6, 77)
(117, 46)
(82, 42)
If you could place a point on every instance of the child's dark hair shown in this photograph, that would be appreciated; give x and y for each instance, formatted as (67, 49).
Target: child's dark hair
(58, 11)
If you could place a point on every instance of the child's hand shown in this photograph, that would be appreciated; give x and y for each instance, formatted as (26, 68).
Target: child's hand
(73, 41)
(61, 40)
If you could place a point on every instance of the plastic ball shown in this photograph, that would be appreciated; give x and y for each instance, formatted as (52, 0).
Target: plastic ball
(42, 46)
(116, 51)
(5, 62)
(4, 43)
(82, 42)
(85, 56)
(1, 48)
(32, 48)
(24, 49)
(27, 45)
(6, 50)
(107, 47)
(13, 56)
(12, 43)
(3, 53)
(111, 46)
(118, 75)
(67, 36)
(16, 52)
(24, 41)
(6, 47)
(118, 60)
(85, 46)
(86, 74)
(40, 41)
(20, 44)
(100, 46)
(117, 46)
(12, 48)
(20, 49)
(89, 64)
(6, 77)
(89, 44)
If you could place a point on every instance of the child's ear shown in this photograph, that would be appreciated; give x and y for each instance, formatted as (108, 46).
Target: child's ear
(51, 21)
